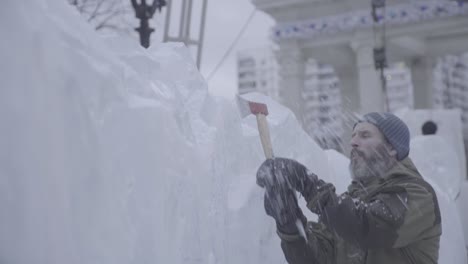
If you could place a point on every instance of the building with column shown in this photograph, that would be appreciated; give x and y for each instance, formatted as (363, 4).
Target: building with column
(322, 105)
(340, 33)
(451, 85)
(257, 71)
(321, 95)
(399, 93)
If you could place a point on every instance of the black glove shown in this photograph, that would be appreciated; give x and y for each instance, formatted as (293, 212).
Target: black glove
(280, 198)
(290, 171)
(281, 203)
(325, 195)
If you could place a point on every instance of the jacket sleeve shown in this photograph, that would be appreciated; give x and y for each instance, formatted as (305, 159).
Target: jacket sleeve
(422, 219)
(370, 224)
(318, 248)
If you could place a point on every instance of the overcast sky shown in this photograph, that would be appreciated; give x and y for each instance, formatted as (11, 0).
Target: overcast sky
(224, 21)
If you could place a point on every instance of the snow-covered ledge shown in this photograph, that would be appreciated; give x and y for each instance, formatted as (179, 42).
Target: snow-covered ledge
(361, 19)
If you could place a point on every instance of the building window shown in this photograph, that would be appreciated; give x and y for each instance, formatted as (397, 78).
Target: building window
(247, 85)
(323, 97)
(246, 74)
(324, 109)
(324, 120)
(248, 62)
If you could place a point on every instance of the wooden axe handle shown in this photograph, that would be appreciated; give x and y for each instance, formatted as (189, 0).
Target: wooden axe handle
(264, 135)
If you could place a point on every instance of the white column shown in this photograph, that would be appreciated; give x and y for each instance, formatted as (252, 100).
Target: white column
(291, 60)
(370, 87)
(422, 77)
(349, 85)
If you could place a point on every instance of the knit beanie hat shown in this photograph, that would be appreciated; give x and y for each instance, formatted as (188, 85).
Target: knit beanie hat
(394, 130)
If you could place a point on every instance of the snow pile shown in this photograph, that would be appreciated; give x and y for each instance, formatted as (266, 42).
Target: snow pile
(437, 162)
(440, 164)
(114, 154)
(449, 127)
(91, 148)
(441, 157)
(440, 168)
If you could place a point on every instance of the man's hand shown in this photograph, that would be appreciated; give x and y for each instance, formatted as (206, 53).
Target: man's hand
(280, 198)
(280, 203)
(289, 172)
(325, 194)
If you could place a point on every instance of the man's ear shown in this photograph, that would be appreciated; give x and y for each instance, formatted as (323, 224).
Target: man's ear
(391, 150)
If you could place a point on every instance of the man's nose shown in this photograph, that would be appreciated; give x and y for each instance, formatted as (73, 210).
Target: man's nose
(354, 142)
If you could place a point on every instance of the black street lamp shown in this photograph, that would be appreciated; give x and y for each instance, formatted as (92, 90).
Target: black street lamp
(380, 57)
(145, 12)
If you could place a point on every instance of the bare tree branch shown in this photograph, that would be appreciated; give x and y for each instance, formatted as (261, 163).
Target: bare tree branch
(105, 22)
(95, 12)
(105, 14)
(82, 6)
(108, 26)
(73, 2)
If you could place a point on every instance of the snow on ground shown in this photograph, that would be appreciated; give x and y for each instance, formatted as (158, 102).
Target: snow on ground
(110, 153)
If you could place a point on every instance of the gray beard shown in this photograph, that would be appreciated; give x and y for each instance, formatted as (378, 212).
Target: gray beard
(375, 166)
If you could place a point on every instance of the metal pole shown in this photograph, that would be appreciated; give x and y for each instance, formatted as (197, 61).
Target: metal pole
(182, 19)
(384, 89)
(189, 19)
(202, 33)
(168, 18)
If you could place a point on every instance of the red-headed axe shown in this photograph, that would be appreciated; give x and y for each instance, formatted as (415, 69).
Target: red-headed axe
(260, 111)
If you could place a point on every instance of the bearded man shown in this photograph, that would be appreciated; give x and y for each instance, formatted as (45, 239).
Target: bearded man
(389, 214)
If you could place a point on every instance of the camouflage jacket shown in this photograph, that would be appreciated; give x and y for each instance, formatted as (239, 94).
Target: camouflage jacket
(394, 219)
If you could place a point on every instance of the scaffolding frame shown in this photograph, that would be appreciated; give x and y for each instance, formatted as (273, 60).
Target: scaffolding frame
(184, 27)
